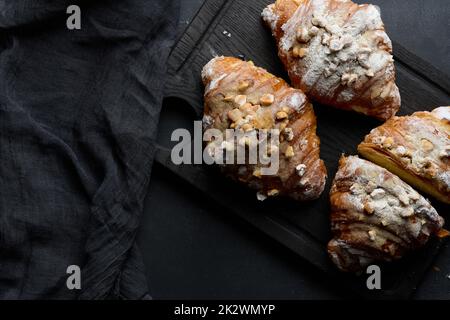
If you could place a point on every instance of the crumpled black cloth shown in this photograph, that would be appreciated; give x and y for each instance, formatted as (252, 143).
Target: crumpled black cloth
(78, 118)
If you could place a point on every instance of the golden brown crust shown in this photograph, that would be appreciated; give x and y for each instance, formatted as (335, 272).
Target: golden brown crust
(338, 53)
(417, 148)
(241, 96)
(375, 216)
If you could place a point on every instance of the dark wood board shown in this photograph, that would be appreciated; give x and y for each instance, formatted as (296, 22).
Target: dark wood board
(302, 227)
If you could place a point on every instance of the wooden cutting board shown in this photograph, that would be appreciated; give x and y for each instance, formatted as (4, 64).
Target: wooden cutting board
(234, 28)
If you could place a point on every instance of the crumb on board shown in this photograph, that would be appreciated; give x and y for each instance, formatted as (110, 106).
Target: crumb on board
(226, 33)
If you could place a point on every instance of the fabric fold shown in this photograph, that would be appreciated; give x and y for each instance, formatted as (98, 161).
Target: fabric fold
(79, 111)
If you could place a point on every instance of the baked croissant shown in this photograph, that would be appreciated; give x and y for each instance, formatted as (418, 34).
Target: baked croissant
(375, 216)
(416, 148)
(241, 96)
(337, 52)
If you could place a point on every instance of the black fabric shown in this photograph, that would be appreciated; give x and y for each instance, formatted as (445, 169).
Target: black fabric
(78, 117)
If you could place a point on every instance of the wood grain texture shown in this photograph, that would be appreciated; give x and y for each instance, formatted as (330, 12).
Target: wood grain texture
(302, 227)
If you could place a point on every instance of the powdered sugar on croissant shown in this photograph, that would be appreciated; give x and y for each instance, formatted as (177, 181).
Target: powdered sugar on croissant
(375, 216)
(338, 53)
(415, 147)
(244, 97)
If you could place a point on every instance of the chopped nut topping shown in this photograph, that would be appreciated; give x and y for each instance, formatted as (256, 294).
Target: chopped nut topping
(347, 40)
(336, 44)
(281, 115)
(368, 207)
(372, 234)
(299, 52)
(445, 153)
(300, 169)
(327, 72)
(363, 59)
(318, 21)
(289, 134)
(313, 31)
(273, 193)
(370, 187)
(404, 199)
(303, 35)
(330, 70)
(244, 85)
(286, 109)
(349, 78)
(356, 189)
(426, 145)
(393, 202)
(247, 127)
(365, 49)
(235, 115)
(407, 212)
(249, 118)
(228, 98)
(401, 151)
(431, 172)
(326, 39)
(370, 73)
(240, 100)
(388, 143)
(378, 140)
(424, 163)
(378, 194)
(261, 196)
(248, 108)
(289, 153)
(414, 196)
(267, 99)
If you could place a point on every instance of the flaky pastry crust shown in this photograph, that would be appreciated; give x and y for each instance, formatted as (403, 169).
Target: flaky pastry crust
(337, 52)
(375, 216)
(416, 148)
(241, 96)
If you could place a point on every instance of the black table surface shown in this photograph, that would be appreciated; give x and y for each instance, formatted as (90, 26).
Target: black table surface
(194, 251)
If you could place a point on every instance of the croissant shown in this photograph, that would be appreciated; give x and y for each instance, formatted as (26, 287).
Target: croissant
(375, 216)
(337, 52)
(416, 148)
(243, 97)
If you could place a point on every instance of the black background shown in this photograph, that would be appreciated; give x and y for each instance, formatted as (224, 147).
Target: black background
(194, 251)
